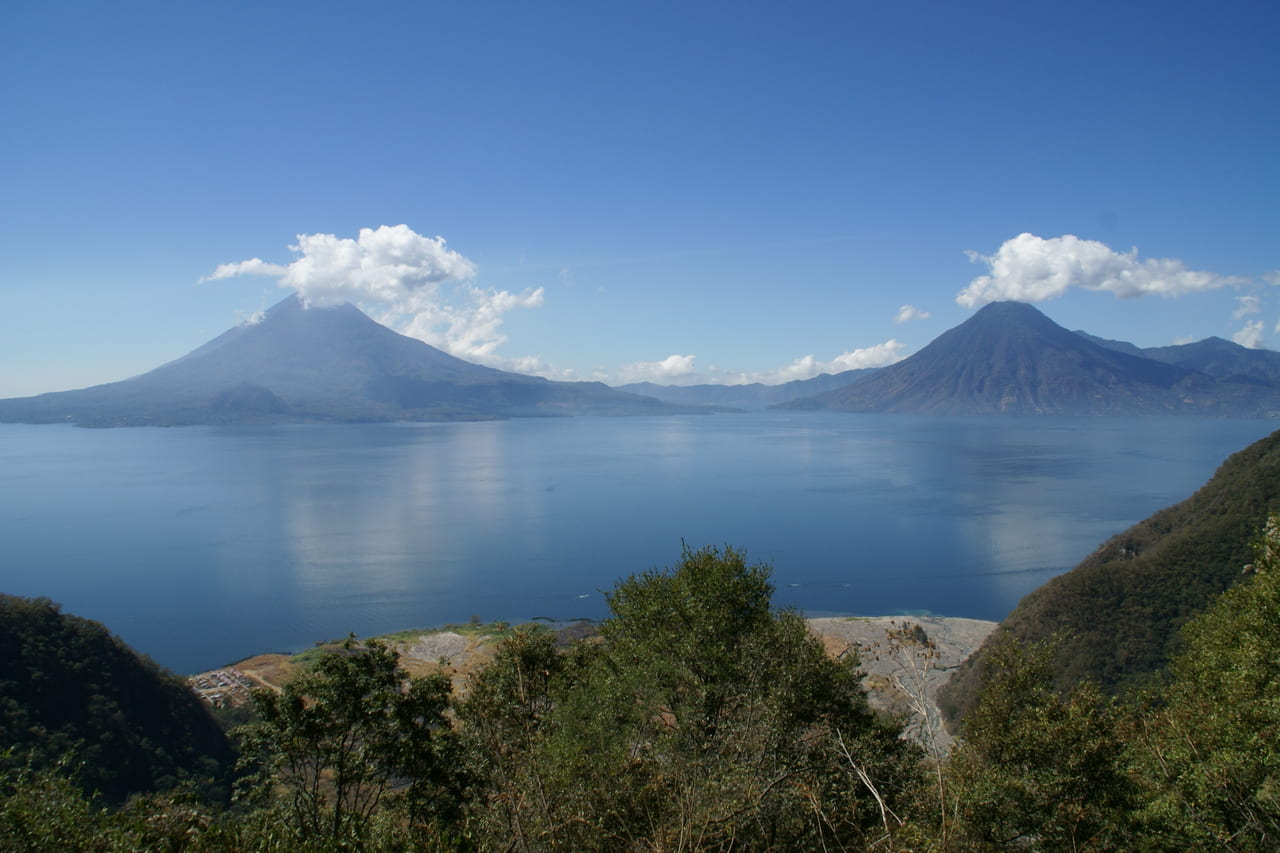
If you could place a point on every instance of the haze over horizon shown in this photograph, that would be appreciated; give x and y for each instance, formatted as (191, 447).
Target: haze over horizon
(664, 193)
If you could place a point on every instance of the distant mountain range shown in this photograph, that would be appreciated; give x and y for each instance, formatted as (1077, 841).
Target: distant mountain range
(303, 364)
(1213, 356)
(1009, 358)
(756, 395)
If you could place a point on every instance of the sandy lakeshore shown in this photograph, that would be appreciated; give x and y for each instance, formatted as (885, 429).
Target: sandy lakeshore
(903, 672)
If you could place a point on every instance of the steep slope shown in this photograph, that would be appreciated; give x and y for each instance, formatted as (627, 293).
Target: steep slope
(1011, 359)
(320, 364)
(755, 395)
(1119, 611)
(68, 688)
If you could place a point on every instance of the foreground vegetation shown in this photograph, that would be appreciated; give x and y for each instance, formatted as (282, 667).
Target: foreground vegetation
(702, 718)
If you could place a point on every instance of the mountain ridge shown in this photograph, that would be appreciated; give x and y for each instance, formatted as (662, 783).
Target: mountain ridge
(301, 364)
(335, 364)
(1009, 358)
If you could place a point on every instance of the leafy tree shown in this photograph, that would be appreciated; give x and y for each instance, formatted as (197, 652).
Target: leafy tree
(743, 719)
(45, 810)
(1209, 747)
(502, 718)
(1038, 770)
(703, 719)
(339, 739)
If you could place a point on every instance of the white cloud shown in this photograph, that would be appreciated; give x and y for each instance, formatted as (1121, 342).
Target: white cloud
(680, 370)
(535, 366)
(1033, 269)
(467, 326)
(399, 277)
(808, 367)
(1246, 305)
(253, 266)
(910, 312)
(384, 265)
(672, 367)
(1272, 277)
(1250, 336)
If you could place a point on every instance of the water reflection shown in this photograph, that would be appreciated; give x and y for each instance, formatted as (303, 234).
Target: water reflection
(202, 545)
(372, 524)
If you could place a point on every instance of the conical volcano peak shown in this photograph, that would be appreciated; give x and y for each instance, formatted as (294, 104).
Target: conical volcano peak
(1010, 312)
(300, 363)
(1009, 358)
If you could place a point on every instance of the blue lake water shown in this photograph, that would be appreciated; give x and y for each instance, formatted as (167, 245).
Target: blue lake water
(204, 545)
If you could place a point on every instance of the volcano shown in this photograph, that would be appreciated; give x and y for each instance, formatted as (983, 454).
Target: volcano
(310, 364)
(1009, 358)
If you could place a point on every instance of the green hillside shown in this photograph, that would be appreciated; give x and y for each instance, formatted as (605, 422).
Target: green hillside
(72, 694)
(1119, 611)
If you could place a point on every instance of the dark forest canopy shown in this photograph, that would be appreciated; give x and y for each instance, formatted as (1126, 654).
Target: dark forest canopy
(72, 694)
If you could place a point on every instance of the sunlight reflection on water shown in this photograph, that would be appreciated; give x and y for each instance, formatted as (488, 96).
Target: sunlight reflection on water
(202, 545)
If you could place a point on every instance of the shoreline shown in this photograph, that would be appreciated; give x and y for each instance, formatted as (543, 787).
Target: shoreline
(902, 675)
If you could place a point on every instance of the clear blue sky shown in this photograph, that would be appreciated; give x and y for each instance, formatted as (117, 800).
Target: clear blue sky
(726, 188)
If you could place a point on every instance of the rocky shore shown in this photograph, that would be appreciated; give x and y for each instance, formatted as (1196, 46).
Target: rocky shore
(906, 660)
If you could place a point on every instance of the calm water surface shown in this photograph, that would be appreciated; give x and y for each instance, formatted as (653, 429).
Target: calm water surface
(203, 545)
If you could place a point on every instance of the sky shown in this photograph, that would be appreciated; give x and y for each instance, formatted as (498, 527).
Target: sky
(675, 192)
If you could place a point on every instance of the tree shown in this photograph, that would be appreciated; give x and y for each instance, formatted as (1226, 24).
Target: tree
(503, 715)
(1208, 749)
(703, 719)
(1037, 770)
(44, 810)
(338, 740)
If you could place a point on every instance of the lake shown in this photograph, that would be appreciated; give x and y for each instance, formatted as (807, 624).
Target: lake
(203, 545)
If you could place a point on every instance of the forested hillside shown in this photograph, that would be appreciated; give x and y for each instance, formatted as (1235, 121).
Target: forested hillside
(71, 694)
(1116, 615)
